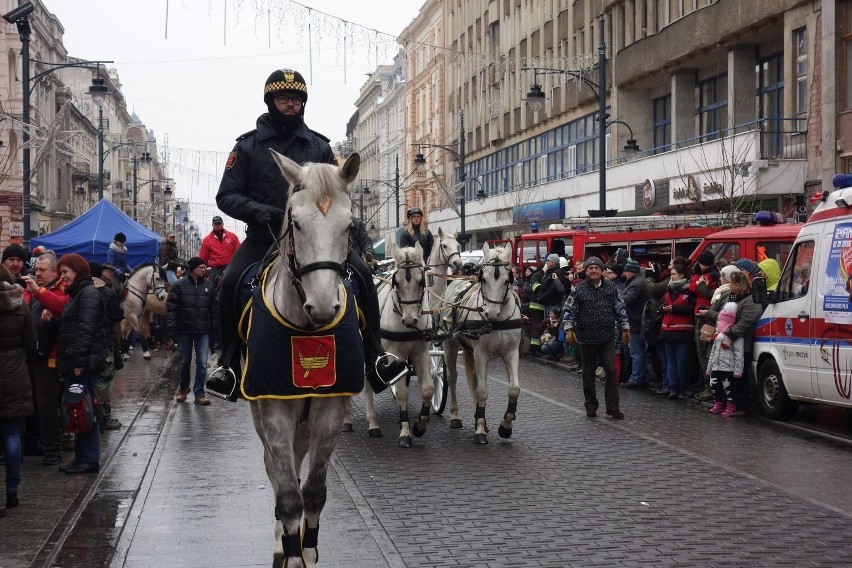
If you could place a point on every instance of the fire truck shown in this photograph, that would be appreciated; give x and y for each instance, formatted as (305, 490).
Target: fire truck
(646, 239)
(768, 236)
(658, 238)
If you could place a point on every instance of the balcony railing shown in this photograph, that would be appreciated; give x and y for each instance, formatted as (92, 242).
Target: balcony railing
(779, 139)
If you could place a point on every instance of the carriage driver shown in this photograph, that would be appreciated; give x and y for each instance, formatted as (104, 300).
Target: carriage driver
(254, 191)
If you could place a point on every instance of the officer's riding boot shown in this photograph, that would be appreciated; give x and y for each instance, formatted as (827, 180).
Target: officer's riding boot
(223, 381)
(383, 369)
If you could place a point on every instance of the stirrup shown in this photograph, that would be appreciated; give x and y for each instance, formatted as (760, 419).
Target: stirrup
(386, 360)
(221, 373)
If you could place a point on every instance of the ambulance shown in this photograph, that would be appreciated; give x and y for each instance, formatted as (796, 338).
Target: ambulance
(803, 341)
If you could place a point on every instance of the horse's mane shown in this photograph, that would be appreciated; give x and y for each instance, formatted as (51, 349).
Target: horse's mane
(321, 180)
(156, 266)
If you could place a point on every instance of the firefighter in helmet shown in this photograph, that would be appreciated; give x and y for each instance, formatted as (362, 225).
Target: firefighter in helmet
(254, 191)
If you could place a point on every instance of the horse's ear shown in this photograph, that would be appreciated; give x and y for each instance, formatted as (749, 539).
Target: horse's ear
(418, 250)
(440, 233)
(291, 171)
(485, 250)
(349, 169)
(507, 250)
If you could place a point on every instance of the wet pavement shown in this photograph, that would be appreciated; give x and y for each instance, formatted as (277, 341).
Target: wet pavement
(669, 485)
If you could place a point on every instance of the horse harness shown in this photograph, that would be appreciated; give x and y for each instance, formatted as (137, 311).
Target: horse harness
(462, 329)
(415, 334)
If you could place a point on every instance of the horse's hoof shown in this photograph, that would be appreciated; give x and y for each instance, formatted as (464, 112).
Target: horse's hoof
(417, 431)
(504, 432)
(480, 439)
(278, 560)
(405, 442)
(346, 428)
(375, 432)
(146, 356)
(456, 423)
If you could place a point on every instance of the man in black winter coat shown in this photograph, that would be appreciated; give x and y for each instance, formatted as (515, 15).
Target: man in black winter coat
(192, 312)
(362, 244)
(254, 191)
(592, 309)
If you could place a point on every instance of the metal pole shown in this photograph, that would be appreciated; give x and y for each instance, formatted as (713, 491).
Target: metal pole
(135, 187)
(361, 205)
(602, 113)
(100, 152)
(397, 190)
(24, 29)
(462, 179)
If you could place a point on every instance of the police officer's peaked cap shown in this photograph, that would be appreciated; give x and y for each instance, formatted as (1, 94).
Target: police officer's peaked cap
(285, 80)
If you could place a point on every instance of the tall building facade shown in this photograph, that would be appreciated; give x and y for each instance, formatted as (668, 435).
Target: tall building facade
(733, 105)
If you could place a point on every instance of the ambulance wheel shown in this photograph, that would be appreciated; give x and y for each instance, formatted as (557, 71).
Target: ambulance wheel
(772, 394)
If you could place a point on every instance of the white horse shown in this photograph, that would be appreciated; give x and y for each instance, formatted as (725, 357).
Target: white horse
(302, 287)
(146, 293)
(486, 324)
(404, 319)
(443, 261)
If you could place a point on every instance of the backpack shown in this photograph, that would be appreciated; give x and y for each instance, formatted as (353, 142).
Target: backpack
(652, 321)
(78, 409)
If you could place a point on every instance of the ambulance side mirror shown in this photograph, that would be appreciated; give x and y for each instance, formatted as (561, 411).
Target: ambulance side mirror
(758, 291)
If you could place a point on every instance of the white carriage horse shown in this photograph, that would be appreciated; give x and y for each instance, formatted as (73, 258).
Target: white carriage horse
(146, 294)
(404, 321)
(485, 321)
(303, 290)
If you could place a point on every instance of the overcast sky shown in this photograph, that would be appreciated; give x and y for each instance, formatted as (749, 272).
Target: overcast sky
(193, 70)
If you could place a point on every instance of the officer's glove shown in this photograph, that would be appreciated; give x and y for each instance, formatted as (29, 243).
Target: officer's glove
(265, 214)
(370, 259)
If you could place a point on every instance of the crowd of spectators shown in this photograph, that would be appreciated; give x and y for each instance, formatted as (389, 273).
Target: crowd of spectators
(60, 351)
(675, 343)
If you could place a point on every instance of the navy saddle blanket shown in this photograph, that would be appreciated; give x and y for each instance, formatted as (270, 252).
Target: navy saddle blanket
(284, 361)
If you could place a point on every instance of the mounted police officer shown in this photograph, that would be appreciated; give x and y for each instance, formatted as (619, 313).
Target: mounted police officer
(254, 191)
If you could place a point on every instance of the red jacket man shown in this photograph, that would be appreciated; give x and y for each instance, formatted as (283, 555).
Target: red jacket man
(218, 246)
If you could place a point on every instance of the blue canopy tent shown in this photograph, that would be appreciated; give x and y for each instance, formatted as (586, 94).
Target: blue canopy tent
(91, 234)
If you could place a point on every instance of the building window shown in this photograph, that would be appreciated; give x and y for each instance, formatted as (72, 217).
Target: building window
(712, 106)
(771, 104)
(801, 38)
(662, 124)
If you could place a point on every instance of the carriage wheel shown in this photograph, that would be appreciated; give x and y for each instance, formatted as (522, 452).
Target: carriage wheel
(439, 374)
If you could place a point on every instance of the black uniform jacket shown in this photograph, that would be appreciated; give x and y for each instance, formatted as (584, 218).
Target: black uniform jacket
(252, 178)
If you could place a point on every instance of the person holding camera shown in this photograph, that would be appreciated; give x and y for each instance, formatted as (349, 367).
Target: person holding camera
(45, 294)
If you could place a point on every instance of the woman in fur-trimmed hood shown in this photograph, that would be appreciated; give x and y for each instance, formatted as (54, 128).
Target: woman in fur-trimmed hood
(17, 336)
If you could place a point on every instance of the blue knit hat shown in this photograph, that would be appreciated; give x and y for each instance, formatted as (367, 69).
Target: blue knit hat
(632, 266)
(749, 266)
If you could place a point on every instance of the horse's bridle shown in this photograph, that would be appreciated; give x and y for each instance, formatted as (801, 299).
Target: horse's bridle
(294, 269)
(408, 265)
(448, 258)
(138, 293)
(496, 264)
